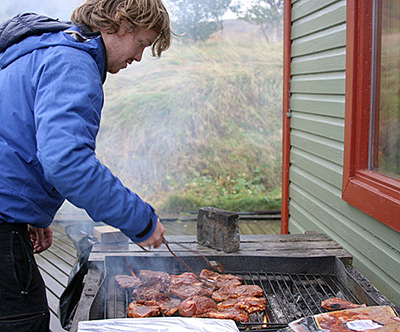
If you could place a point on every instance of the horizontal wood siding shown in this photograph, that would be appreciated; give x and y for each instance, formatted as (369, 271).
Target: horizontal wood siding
(317, 139)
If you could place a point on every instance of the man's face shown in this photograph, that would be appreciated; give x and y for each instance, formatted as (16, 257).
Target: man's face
(125, 47)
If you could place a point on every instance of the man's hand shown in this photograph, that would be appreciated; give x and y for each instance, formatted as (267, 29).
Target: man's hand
(156, 238)
(41, 238)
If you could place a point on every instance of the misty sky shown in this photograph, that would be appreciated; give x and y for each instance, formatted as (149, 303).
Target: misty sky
(54, 8)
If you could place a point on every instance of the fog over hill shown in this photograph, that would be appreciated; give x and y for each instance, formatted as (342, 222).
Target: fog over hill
(54, 8)
(59, 8)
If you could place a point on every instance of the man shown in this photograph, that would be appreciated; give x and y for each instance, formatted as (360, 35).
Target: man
(51, 76)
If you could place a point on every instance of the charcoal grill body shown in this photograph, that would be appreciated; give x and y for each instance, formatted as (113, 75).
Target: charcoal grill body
(294, 286)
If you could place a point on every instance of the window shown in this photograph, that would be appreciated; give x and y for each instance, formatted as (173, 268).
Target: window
(371, 173)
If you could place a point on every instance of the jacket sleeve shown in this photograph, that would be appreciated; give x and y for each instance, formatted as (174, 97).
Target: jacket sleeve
(68, 103)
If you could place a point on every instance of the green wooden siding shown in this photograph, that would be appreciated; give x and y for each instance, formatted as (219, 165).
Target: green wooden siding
(315, 124)
(317, 141)
(327, 149)
(325, 105)
(330, 61)
(320, 41)
(305, 8)
(310, 24)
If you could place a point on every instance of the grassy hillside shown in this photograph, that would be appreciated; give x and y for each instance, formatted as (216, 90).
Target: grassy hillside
(201, 124)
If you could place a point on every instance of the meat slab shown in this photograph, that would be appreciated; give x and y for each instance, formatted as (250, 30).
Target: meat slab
(187, 285)
(229, 292)
(153, 286)
(169, 307)
(137, 309)
(237, 315)
(336, 303)
(220, 280)
(249, 304)
(196, 306)
(126, 281)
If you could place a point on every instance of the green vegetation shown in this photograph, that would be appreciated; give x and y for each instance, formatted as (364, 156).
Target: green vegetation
(267, 14)
(232, 194)
(197, 20)
(199, 127)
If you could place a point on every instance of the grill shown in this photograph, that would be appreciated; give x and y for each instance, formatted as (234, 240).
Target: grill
(294, 286)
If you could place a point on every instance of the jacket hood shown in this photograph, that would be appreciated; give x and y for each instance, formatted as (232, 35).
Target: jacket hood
(28, 24)
(27, 32)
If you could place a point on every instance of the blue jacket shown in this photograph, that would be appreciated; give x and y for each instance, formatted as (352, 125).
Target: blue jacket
(51, 96)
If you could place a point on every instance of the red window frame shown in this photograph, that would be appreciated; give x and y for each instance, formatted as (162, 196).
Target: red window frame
(371, 192)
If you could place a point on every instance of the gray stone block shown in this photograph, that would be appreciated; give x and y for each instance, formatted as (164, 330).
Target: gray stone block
(218, 229)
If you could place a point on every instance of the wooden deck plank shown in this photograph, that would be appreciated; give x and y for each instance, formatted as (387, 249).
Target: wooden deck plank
(68, 253)
(56, 254)
(52, 301)
(62, 240)
(179, 227)
(251, 226)
(246, 226)
(53, 285)
(55, 265)
(55, 325)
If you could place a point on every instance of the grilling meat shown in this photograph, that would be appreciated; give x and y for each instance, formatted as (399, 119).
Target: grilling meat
(221, 280)
(231, 292)
(186, 278)
(125, 281)
(196, 306)
(336, 303)
(196, 289)
(236, 314)
(137, 309)
(149, 278)
(249, 304)
(140, 309)
(187, 285)
(153, 286)
(169, 306)
(156, 292)
(152, 292)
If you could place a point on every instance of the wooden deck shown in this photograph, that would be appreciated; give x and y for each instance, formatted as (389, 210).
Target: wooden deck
(56, 263)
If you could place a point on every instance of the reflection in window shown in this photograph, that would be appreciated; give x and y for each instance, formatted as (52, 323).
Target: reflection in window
(385, 117)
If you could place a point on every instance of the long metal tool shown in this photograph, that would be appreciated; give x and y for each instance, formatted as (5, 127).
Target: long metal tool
(205, 281)
(180, 260)
(211, 264)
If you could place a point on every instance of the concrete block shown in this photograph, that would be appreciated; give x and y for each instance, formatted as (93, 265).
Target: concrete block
(218, 229)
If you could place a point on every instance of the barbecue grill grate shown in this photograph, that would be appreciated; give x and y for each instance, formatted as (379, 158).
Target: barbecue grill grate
(289, 297)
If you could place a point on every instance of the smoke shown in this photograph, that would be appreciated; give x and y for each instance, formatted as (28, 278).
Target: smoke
(54, 8)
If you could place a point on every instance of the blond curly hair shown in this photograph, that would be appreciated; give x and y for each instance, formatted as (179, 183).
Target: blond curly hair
(108, 15)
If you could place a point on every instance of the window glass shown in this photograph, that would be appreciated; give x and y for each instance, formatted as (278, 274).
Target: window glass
(385, 116)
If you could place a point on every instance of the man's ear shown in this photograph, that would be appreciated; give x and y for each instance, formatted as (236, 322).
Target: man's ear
(123, 28)
(121, 31)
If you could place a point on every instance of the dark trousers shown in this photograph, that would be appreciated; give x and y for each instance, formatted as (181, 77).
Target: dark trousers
(23, 302)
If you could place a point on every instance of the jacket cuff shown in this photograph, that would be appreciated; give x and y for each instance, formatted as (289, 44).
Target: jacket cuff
(148, 230)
